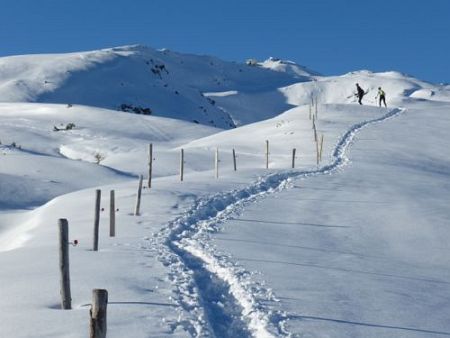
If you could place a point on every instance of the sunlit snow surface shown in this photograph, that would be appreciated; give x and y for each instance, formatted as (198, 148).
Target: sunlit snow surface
(356, 246)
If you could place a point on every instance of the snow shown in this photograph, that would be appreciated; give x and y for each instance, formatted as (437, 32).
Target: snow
(355, 246)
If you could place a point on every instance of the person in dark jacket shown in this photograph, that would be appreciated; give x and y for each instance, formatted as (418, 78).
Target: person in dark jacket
(359, 93)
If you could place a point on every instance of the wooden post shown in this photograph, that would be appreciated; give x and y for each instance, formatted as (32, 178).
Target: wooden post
(321, 148)
(181, 164)
(314, 129)
(267, 154)
(138, 198)
(112, 214)
(317, 153)
(234, 160)
(216, 163)
(150, 164)
(66, 298)
(98, 194)
(316, 109)
(293, 158)
(97, 322)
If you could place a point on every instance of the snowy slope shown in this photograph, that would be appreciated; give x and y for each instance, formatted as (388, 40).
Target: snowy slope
(352, 246)
(169, 83)
(27, 172)
(362, 252)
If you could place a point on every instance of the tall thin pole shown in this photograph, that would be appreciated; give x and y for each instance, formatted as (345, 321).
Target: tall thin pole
(98, 194)
(234, 160)
(137, 209)
(317, 152)
(216, 163)
(181, 164)
(112, 214)
(321, 147)
(293, 158)
(267, 154)
(150, 164)
(66, 298)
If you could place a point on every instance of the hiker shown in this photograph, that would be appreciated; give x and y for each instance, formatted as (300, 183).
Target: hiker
(381, 97)
(359, 93)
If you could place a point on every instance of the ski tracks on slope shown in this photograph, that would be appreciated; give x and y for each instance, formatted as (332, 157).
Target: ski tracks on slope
(219, 296)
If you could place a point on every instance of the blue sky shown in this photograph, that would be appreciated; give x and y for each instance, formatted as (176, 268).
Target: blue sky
(330, 36)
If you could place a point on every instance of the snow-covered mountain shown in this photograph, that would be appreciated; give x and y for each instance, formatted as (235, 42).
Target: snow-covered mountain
(351, 242)
(170, 84)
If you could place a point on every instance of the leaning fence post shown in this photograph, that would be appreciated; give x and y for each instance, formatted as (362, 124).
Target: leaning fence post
(314, 129)
(216, 163)
(138, 198)
(234, 160)
(66, 299)
(293, 158)
(267, 154)
(317, 152)
(97, 322)
(181, 164)
(321, 148)
(112, 214)
(150, 164)
(316, 109)
(98, 194)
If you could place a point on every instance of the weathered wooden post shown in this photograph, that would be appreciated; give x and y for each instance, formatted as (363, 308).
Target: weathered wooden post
(316, 109)
(317, 153)
(234, 160)
(293, 158)
(181, 164)
(112, 214)
(216, 163)
(97, 322)
(138, 198)
(314, 129)
(321, 148)
(150, 164)
(98, 194)
(267, 154)
(66, 298)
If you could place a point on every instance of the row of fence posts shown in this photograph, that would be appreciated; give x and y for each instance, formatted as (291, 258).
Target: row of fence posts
(217, 160)
(97, 322)
(97, 313)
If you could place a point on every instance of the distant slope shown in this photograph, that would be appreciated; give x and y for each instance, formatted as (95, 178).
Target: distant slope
(170, 84)
(200, 89)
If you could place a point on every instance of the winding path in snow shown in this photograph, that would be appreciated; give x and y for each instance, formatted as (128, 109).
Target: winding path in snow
(220, 296)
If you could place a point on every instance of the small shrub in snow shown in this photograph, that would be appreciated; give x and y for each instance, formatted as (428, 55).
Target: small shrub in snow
(99, 157)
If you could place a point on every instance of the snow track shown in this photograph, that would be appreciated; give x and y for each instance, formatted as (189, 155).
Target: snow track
(219, 295)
